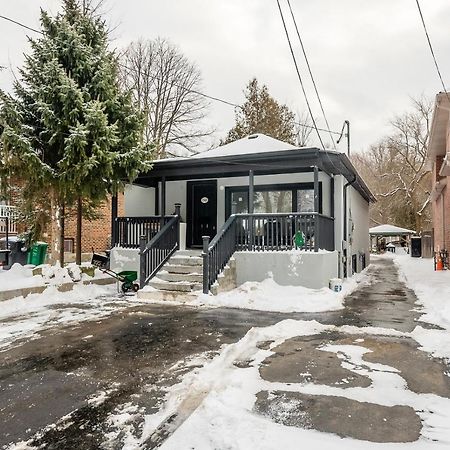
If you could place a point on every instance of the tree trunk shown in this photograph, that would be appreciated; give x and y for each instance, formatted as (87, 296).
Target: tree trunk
(79, 227)
(61, 218)
(57, 227)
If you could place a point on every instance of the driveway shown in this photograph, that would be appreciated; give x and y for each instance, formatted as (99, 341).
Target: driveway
(60, 391)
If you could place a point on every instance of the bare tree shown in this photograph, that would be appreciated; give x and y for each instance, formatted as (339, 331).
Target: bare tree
(395, 169)
(166, 87)
(303, 129)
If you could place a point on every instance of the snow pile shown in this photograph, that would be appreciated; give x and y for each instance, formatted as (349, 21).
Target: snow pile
(270, 296)
(19, 277)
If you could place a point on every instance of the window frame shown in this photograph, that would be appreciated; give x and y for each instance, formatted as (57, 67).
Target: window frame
(292, 187)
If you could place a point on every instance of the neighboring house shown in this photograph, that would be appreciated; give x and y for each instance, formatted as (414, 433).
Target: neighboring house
(439, 157)
(255, 198)
(96, 233)
(9, 212)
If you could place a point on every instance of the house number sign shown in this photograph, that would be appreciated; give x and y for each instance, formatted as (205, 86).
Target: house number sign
(204, 200)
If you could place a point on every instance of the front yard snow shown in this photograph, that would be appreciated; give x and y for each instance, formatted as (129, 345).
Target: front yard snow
(270, 296)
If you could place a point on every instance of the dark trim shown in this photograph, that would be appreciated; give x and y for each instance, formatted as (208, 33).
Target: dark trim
(114, 212)
(316, 189)
(294, 187)
(277, 162)
(157, 199)
(163, 196)
(331, 196)
(190, 207)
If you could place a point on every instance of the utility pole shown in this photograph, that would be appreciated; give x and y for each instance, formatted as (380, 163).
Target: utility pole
(347, 135)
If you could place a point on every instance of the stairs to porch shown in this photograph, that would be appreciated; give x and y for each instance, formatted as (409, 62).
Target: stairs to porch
(182, 276)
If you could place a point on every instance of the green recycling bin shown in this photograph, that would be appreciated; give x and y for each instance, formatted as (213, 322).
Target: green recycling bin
(37, 253)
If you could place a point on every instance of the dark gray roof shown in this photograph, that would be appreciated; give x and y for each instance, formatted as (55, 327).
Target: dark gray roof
(264, 163)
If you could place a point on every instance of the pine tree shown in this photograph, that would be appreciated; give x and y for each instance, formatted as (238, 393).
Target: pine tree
(261, 113)
(69, 132)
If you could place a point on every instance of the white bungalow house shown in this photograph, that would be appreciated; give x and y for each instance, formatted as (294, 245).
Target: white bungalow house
(300, 215)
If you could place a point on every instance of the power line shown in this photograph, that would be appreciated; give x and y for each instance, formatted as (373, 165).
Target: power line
(310, 73)
(20, 24)
(431, 49)
(210, 97)
(299, 76)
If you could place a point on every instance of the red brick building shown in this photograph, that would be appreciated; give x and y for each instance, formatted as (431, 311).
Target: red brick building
(96, 234)
(439, 157)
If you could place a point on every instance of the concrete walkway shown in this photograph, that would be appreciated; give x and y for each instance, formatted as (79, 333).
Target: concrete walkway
(52, 384)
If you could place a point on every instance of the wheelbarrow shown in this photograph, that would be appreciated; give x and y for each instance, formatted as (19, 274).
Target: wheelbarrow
(126, 277)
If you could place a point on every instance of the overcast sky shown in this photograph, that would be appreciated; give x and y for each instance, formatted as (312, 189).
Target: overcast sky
(368, 57)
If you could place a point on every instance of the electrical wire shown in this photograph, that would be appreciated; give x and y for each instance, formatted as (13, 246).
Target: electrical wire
(431, 49)
(310, 73)
(20, 24)
(298, 75)
(202, 94)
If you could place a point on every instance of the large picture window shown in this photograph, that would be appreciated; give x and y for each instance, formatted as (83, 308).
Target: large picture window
(280, 198)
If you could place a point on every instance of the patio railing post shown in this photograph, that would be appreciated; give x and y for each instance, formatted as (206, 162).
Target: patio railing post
(251, 220)
(205, 264)
(178, 214)
(142, 271)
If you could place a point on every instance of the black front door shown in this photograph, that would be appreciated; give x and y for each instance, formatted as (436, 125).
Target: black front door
(201, 211)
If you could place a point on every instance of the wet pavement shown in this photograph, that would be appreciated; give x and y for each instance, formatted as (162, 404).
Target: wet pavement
(60, 390)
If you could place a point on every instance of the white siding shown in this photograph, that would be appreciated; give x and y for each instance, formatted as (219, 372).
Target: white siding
(176, 191)
(359, 216)
(139, 201)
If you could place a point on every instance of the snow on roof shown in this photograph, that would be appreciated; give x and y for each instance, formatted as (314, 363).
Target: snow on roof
(389, 230)
(255, 143)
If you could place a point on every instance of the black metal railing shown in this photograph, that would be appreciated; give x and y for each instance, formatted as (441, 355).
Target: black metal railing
(154, 254)
(128, 230)
(218, 252)
(265, 232)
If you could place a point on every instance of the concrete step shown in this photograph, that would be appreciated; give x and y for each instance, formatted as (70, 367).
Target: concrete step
(197, 253)
(180, 286)
(170, 276)
(186, 260)
(177, 268)
(179, 296)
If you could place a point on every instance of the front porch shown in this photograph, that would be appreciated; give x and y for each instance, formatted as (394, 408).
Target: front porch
(253, 195)
(150, 243)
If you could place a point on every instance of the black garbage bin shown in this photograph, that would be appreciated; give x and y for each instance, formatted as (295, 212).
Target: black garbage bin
(17, 251)
(416, 246)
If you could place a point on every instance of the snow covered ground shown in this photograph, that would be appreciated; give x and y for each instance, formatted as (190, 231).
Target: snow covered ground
(432, 289)
(26, 317)
(226, 392)
(270, 296)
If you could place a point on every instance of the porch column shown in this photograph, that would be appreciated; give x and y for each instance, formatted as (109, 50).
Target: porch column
(316, 208)
(157, 199)
(114, 209)
(163, 196)
(251, 190)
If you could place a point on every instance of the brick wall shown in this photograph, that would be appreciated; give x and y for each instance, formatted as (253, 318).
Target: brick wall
(439, 207)
(95, 233)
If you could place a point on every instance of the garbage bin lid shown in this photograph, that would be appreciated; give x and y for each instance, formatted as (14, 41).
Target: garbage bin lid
(10, 239)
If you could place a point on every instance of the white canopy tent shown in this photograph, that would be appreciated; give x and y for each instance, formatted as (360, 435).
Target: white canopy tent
(389, 230)
(391, 234)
